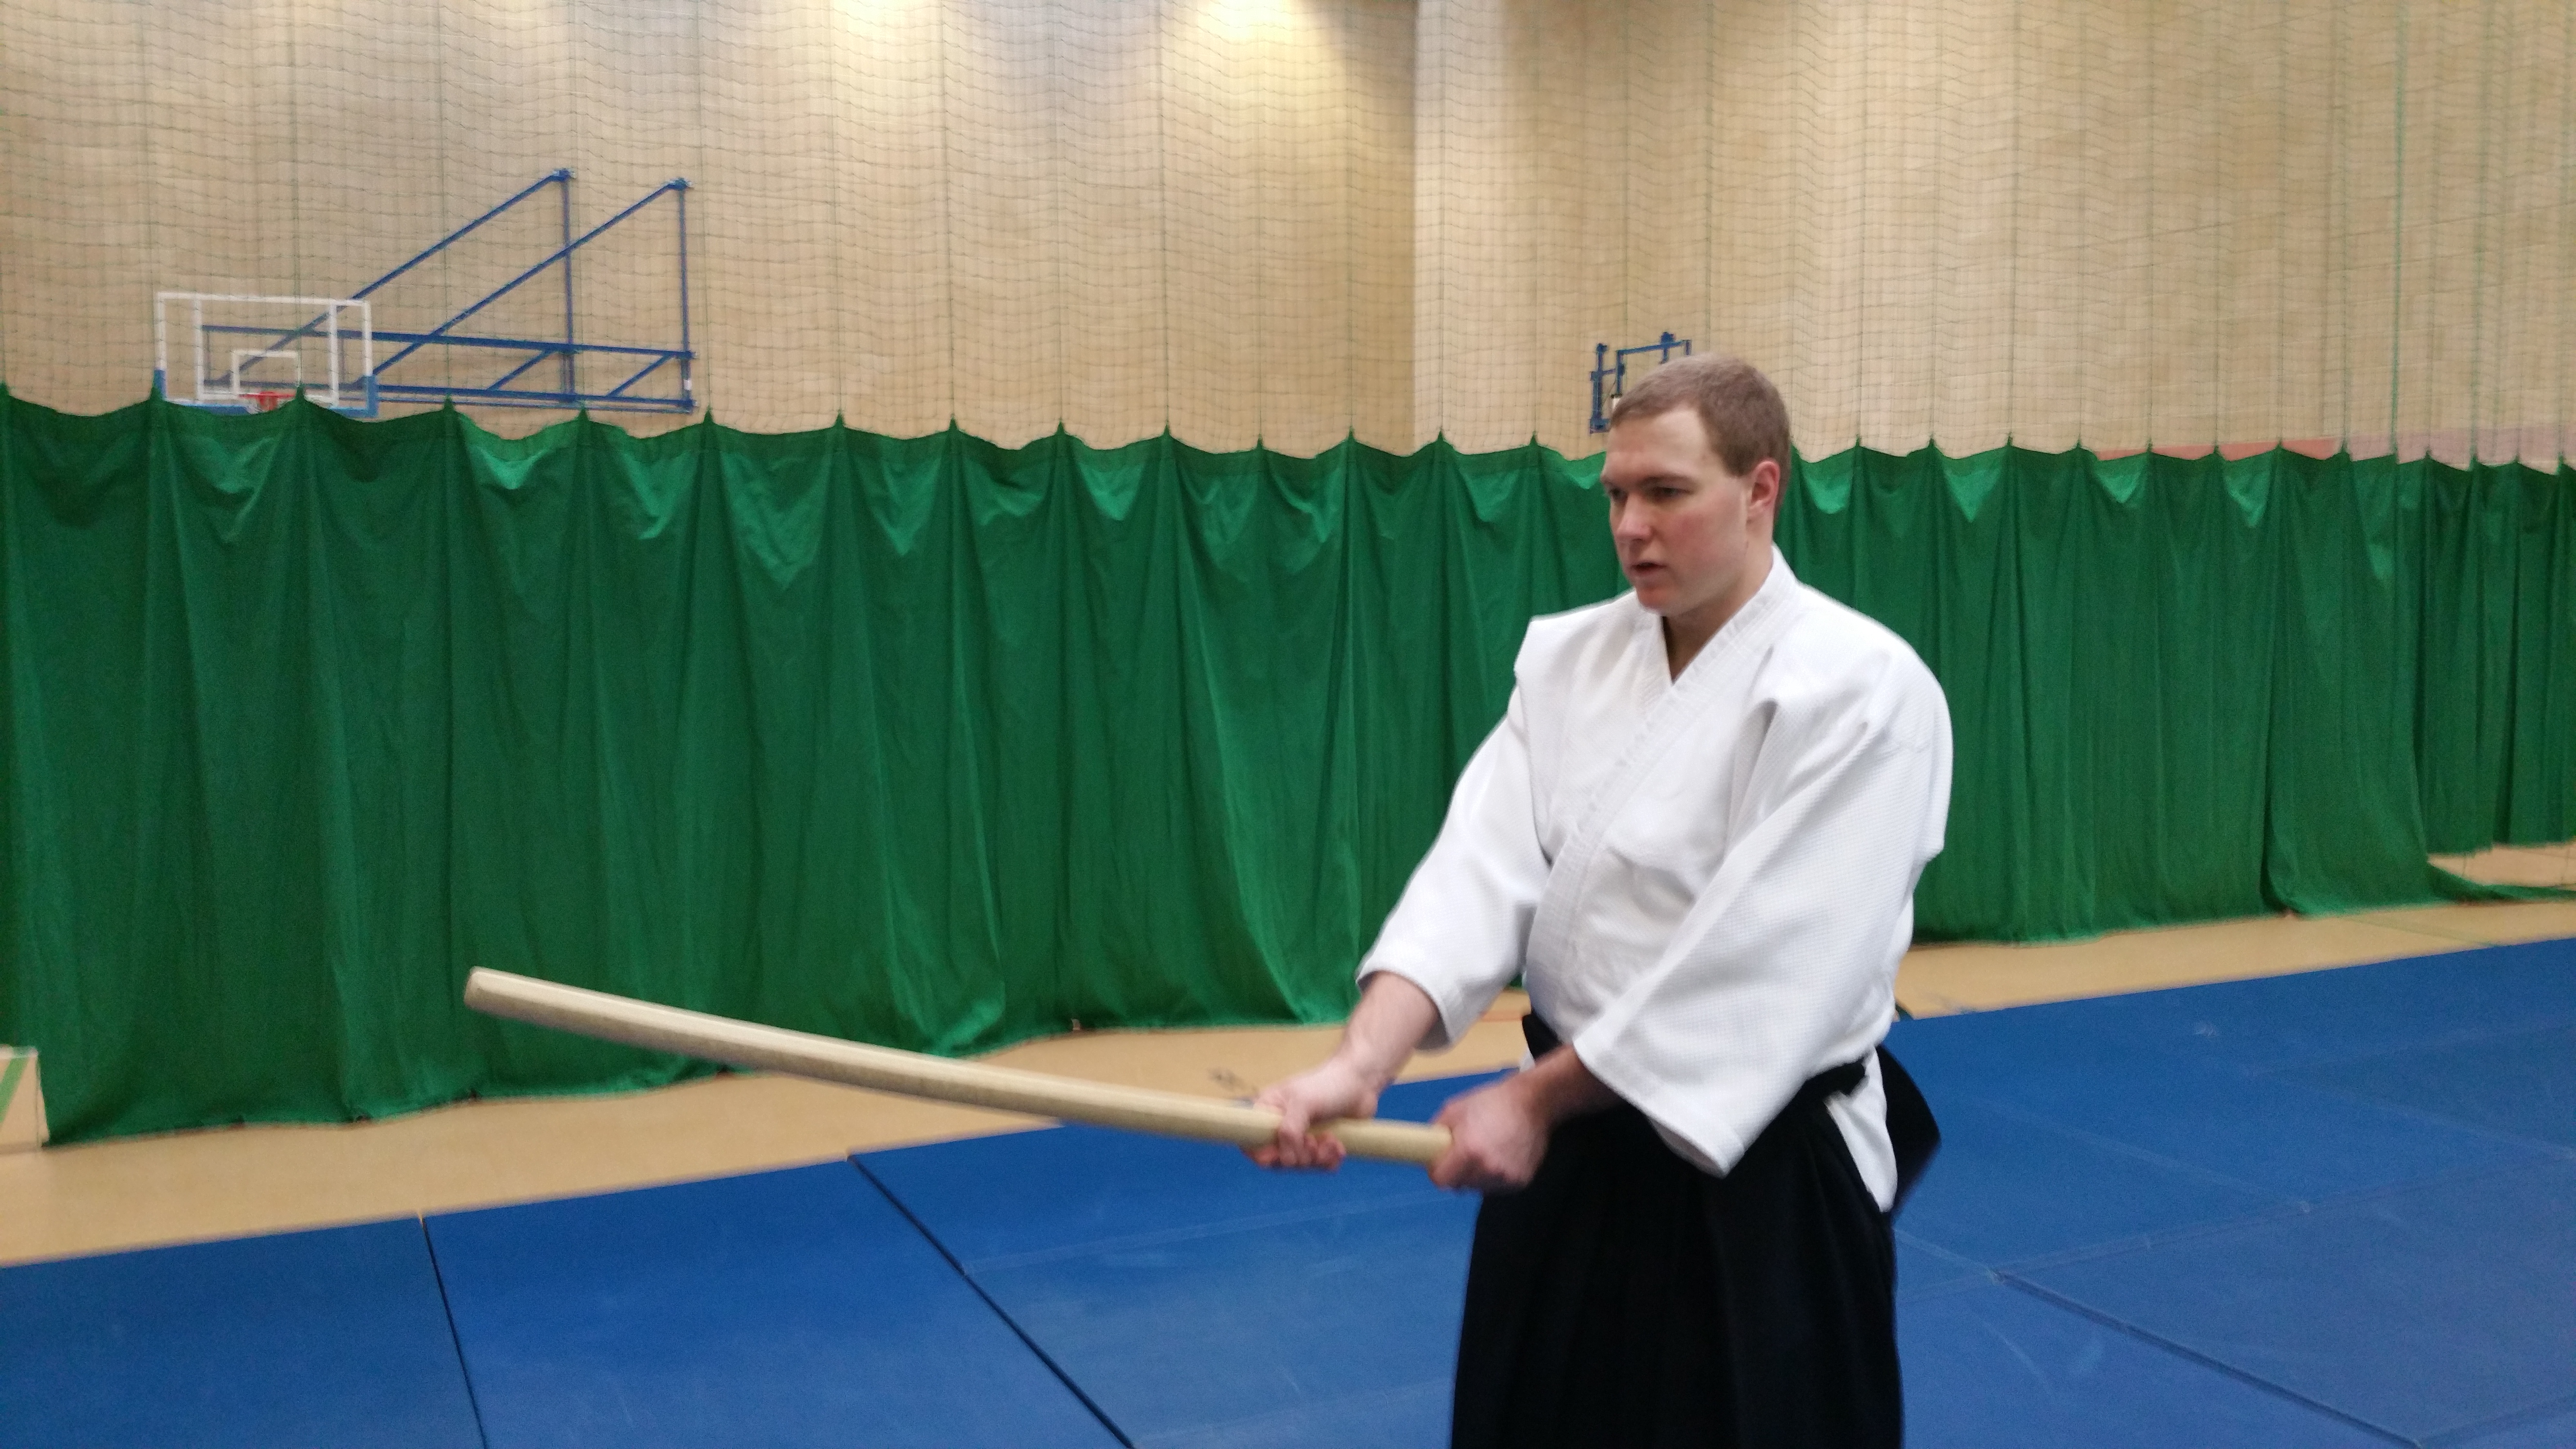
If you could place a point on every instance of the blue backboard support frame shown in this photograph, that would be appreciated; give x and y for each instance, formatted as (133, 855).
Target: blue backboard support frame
(638, 388)
(1610, 372)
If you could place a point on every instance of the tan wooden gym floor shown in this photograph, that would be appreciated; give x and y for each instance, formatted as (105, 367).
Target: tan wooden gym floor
(221, 1183)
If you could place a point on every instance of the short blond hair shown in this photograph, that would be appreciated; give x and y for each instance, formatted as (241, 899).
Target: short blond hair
(1745, 418)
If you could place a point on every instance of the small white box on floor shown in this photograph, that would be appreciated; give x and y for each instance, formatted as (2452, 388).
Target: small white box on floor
(22, 1100)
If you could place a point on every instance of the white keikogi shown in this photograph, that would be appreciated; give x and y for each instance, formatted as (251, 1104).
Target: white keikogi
(1706, 881)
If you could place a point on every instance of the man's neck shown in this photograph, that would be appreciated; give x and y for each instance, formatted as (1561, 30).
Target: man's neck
(1686, 634)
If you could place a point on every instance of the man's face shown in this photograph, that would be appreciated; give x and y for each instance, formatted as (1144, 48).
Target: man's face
(1692, 537)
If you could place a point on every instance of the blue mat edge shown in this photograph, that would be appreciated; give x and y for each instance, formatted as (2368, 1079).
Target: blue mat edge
(420, 1229)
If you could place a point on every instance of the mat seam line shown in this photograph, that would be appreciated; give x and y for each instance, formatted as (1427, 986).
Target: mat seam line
(2430, 934)
(2296, 1208)
(1008, 1321)
(2426, 1115)
(1004, 1262)
(1984, 1278)
(2131, 1150)
(2144, 1242)
(2243, 1376)
(1374, 1396)
(2462, 1037)
(2526, 1415)
(455, 1336)
(2374, 915)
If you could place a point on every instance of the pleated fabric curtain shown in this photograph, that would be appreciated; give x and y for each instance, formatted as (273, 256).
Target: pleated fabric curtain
(2187, 688)
(943, 744)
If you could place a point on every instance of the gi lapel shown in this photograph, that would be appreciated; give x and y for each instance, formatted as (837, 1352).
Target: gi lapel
(1754, 627)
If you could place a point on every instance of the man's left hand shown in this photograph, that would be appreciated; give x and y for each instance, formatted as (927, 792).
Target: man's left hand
(1497, 1137)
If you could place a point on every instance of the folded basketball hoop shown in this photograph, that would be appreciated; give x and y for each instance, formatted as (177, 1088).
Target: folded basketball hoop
(243, 353)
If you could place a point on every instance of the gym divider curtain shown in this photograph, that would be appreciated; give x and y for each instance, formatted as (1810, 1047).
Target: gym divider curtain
(2186, 688)
(942, 744)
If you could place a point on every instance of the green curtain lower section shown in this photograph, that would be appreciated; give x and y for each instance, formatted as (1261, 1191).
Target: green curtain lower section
(942, 744)
(2192, 688)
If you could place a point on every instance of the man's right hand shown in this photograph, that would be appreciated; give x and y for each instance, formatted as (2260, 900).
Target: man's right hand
(1392, 1017)
(1328, 1093)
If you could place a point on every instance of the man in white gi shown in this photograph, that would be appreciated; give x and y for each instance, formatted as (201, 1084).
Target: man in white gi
(1696, 835)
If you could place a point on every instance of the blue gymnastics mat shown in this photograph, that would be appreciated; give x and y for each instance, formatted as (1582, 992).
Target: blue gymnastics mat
(2426, 1312)
(2179, 1218)
(2325, 1209)
(2352, 1190)
(2516, 1085)
(779, 1308)
(335, 1337)
(1199, 1300)
(1987, 1367)
(2266, 1024)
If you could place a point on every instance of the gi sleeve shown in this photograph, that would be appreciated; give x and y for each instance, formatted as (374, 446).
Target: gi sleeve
(1463, 922)
(1788, 955)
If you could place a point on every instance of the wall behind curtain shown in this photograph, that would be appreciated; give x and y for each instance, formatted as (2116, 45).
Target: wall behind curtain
(2056, 221)
(1010, 213)
(2180, 223)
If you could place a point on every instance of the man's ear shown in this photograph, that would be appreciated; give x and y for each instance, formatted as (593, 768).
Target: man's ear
(1762, 485)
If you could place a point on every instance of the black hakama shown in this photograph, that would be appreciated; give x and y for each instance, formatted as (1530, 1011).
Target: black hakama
(1627, 1298)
